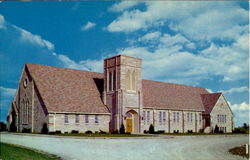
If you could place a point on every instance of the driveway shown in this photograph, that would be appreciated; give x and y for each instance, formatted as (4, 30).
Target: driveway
(133, 148)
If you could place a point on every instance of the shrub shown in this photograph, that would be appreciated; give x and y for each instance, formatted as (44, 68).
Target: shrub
(145, 131)
(151, 129)
(201, 130)
(74, 131)
(122, 129)
(102, 132)
(58, 132)
(13, 127)
(160, 131)
(3, 126)
(216, 129)
(45, 129)
(176, 131)
(88, 132)
(26, 130)
(190, 131)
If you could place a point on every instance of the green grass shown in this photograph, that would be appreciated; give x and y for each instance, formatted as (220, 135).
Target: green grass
(14, 152)
(194, 134)
(100, 135)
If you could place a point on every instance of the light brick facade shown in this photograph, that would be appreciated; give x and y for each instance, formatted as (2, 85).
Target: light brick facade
(122, 91)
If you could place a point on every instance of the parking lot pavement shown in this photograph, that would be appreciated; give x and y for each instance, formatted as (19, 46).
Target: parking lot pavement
(209, 147)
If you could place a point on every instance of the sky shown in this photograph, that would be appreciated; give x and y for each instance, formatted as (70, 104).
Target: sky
(196, 43)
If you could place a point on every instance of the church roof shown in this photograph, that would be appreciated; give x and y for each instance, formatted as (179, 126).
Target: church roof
(68, 90)
(163, 95)
(209, 101)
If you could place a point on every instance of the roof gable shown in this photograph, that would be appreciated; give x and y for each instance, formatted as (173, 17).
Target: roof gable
(209, 101)
(67, 90)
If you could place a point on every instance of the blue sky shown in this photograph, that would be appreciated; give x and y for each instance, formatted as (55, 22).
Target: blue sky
(194, 43)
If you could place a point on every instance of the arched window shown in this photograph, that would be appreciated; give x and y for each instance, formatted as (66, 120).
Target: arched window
(133, 80)
(128, 84)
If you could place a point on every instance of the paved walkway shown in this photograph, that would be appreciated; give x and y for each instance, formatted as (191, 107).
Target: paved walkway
(135, 148)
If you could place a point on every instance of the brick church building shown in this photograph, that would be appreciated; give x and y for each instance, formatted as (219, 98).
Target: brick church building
(69, 99)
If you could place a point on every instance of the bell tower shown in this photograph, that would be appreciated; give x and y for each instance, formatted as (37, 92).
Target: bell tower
(123, 92)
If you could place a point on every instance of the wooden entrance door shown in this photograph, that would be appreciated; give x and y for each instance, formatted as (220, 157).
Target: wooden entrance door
(129, 124)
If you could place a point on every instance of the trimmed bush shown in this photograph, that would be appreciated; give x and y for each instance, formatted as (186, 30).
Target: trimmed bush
(151, 129)
(45, 129)
(102, 132)
(74, 131)
(216, 129)
(145, 131)
(26, 130)
(122, 129)
(88, 132)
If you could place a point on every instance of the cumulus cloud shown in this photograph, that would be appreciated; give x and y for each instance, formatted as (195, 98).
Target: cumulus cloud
(235, 90)
(123, 5)
(26, 36)
(241, 113)
(2, 21)
(196, 20)
(90, 65)
(88, 26)
(150, 36)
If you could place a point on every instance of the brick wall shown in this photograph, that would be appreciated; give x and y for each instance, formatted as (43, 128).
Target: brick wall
(57, 123)
(222, 108)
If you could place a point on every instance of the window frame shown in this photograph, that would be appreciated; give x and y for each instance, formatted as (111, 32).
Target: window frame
(66, 118)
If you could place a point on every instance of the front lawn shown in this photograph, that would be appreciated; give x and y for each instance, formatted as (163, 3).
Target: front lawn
(13, 152)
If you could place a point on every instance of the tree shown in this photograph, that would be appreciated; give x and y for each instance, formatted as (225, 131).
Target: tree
(216, 129)
(122, 129)
(45, 129)
(151, 129)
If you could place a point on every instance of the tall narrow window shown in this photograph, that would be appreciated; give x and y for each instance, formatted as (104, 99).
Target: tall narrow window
(77, 118)
(188, 117)
(218, 118)
(225, 119)
(200, 117)
(110, 81)
(177, 116)
(148, 116)
(164, 116)
(144, 116)
(174, 116)
(66, 118)
(96, 119)
(114, 80)
(133, 80)
(128, 80)
(86, 118)
(27, 112)
(160, 116)
(191, 115)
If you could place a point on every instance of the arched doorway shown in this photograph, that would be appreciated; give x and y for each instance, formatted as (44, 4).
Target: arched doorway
(132, 122)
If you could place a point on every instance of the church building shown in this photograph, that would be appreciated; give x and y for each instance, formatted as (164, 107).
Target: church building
(69, 100)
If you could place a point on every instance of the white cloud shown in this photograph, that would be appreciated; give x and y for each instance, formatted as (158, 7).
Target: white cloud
(121, 6)
(26, 36)
(209, 90)
(150, 36)
(90, 65)
(196, 20)
(2, 21)
(241, 113)
(235, 90)
(7, 92)
(88, 26)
